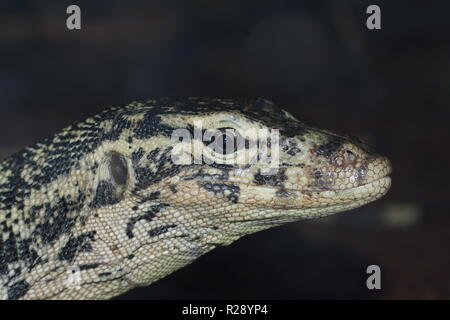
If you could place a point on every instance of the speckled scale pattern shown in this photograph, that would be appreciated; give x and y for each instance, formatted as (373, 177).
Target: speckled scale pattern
(61, 209)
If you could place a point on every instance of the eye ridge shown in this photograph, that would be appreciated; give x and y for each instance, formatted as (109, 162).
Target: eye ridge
(119, 168)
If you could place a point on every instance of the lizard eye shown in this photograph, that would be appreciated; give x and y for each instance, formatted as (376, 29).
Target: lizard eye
(224, 141)
(119, 168)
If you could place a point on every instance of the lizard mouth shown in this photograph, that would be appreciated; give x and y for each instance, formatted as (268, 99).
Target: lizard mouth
(374, 189)
(306, 204)
(276, 192)
(331, 200)
(346, 199)
(364, 193)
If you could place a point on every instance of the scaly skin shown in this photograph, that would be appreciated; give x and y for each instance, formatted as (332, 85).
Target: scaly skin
(105, 199)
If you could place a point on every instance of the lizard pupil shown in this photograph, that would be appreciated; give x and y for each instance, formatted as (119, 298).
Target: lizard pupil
(225, 142)
(119, 168)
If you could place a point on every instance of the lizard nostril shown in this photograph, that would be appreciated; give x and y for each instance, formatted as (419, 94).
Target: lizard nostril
(349, 156)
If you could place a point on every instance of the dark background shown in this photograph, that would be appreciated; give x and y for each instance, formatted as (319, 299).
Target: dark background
(315, 58)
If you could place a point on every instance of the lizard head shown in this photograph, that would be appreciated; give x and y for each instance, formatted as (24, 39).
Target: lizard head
(226, 153)
(179, 178)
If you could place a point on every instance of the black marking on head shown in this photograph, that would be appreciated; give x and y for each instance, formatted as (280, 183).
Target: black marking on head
(86, 247)
(16, 272)
(106, 194)
(173, 188)
(83, 220)
(58, 219)
(9, 252)
(222, 166)
(3, 268)
(317, 174)
(137, 156)
(120, 124)
(163, 168)
(18, 290)
(104, 274)
(27, 253)
(74, 245)
(148, 216)
(201, 175)
(16, 187)
(151, 125)
(160, 230)
(151, 197)
(5, 227)
(275, 180)
(221, 188)
(330, 147)
(294, 151)
(145, 177)
(292, 129)
(89, 266)
(283, 193)
(94, 167)
(153, 155)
